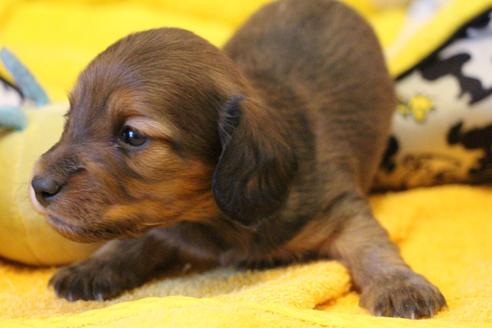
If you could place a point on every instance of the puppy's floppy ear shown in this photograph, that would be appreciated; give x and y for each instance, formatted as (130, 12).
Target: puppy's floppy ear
(252, 177)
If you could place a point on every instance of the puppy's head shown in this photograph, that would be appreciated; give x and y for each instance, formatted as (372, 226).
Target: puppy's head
(162, 128)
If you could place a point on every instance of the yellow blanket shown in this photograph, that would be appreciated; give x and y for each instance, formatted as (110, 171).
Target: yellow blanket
(444, 233)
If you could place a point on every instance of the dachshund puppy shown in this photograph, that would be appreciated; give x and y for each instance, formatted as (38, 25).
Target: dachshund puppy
(262, 152)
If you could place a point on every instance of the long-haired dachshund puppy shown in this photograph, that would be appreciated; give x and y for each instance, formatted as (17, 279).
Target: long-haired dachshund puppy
(261, 152)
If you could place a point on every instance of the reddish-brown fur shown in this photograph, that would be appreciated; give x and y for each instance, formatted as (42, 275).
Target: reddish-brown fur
(260, 153)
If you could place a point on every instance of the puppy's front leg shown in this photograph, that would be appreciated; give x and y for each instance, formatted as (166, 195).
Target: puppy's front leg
(388, 286)
(117, 266)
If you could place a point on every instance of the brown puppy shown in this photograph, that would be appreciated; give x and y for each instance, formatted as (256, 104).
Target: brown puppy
(262, 152)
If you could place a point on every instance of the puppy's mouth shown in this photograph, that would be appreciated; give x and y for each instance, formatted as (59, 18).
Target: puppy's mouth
(58, 223)
(75, 232)
(86, 234)
(64, 228)
(70, 231)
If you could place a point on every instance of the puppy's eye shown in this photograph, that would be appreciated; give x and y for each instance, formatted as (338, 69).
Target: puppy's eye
(132, 137)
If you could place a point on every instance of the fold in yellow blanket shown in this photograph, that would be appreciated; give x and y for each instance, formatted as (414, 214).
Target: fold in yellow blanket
(444, 233)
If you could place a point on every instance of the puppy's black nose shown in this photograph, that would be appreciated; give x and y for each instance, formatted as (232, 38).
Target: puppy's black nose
(45, 189)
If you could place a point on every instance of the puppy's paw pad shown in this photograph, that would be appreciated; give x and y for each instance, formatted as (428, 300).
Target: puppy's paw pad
(90, 280)
(404, 295)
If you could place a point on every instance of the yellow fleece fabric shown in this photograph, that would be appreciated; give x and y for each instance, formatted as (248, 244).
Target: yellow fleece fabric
(444, 233)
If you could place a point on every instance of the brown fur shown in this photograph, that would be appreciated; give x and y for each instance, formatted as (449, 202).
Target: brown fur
(259, 153)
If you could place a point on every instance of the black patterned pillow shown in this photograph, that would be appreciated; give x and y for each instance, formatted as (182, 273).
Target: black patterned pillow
(442, 131)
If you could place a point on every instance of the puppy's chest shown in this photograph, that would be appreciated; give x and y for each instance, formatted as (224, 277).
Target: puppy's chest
(232, 247)
(311, 242)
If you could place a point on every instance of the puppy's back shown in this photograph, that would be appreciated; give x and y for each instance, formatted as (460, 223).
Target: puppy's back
(329, 61)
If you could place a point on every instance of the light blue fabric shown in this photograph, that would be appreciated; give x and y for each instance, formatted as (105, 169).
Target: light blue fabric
(13, 118)
(24, 79)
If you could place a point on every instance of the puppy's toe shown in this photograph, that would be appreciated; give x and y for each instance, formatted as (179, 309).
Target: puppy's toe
(404, 295)
(91, 280)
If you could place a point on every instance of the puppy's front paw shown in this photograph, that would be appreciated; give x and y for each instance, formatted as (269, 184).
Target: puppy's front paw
(92, 280)
(405, 294)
